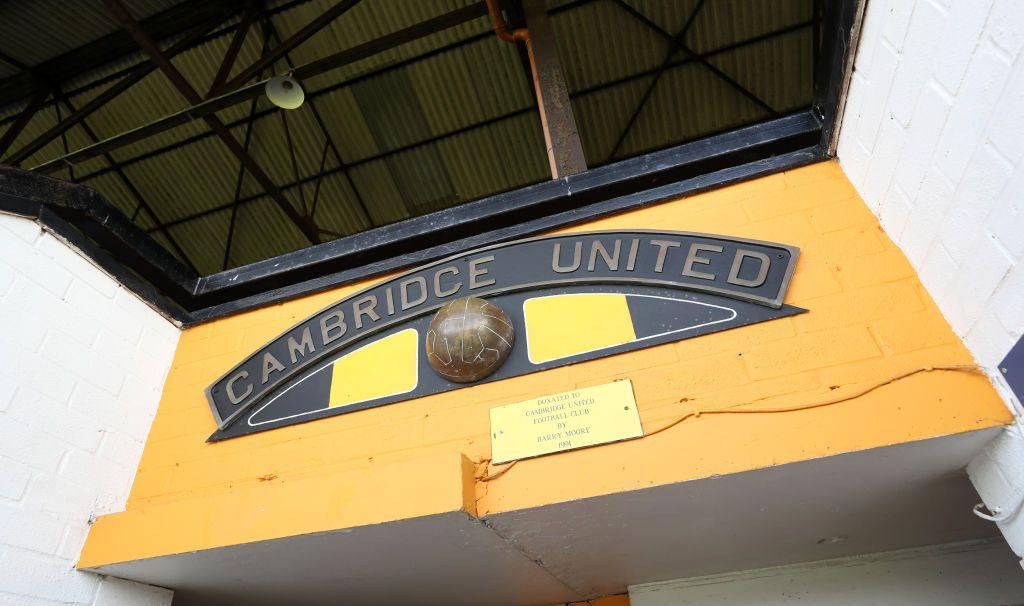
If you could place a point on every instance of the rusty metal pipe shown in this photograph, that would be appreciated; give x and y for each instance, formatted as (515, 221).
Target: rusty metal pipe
(501, 28)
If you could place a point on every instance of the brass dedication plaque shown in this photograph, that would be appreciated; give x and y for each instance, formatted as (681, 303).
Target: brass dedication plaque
(564, 421)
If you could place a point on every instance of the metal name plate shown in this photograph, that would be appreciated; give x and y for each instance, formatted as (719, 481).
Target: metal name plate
(570, 297)
(564, 421)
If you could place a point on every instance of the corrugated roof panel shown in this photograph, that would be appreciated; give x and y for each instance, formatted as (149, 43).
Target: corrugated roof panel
(271, 149)
(723, 22)
(69, 25)
(464, 118)
(150, 99)
(115, 191)
(41, 121)
(456, 90)
(377, 186)
(778, 70)
(369, 20)
(603, 115)
(600, 42)
(505, 155)
(670, 16)
(688, 101)
(345, 124)
(162, 240)
(337, 208)
(261, 231)
(203, 241)
(186, 180)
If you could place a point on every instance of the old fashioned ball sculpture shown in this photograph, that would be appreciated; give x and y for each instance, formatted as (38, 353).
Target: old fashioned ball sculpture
(469, 339)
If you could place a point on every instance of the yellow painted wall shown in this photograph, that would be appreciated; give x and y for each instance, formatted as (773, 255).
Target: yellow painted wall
(869, 319)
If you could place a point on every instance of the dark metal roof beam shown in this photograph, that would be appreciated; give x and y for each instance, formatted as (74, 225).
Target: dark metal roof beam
(312, 28)
(108, 95)
(134, 191)
(328, 140)
(679, 43)
(654, 82)
(203, 109)
(114, 46)
(24, 117)
(251, 12)
(561, 136)
(220, 33)
(612, 187)
(507, 116)
(117, 75)
(121, 14)
(64, 143)
(310, 97)
(241, 168)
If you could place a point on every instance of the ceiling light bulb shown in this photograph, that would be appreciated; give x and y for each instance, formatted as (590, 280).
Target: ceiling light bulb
(285, 92)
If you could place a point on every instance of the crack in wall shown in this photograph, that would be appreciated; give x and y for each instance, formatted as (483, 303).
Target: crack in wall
(580, 592)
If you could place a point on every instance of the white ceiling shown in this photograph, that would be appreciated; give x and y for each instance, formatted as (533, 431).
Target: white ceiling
(876, 500)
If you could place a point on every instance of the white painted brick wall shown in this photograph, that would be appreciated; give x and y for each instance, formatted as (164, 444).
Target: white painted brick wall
(82, 365)
(933, 139)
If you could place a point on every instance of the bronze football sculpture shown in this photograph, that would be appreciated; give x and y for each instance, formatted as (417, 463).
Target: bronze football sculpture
(469, 339)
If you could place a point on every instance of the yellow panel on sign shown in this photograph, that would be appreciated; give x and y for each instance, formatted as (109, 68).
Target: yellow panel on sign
(560, 326)
(383, 368)
(564, 421)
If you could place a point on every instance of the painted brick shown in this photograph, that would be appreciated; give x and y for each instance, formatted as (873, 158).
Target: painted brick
(28, 447)
(7, 275)
(883, 162)
(38, 268)
(29, 231)
(998, 475)
(29, 529)
(959, 39)
(897, 19)
(985, 178)
(895, 210)
(38, 576)
(859, 306)
(873, 111)
(110, 316)
(14, 480)
(915, 58)
(78, 266)
(984, 267)
(70, 545)
(81, 362)
(43, 375)
(54, 418)
(930, 207)
(7, 388)
(49, 312)
(1006, 129)
(985, 80)
(1006, 26)
(1008, 302)
(869, 270)
(817, 350)
(989, 340)
(929, 118)
(119, 447)
(60, 498)
(1006, 221)
(82, 372)
(957, 212)
(117, 592)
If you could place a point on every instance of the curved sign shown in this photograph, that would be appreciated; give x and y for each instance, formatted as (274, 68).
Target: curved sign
(571, 297)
